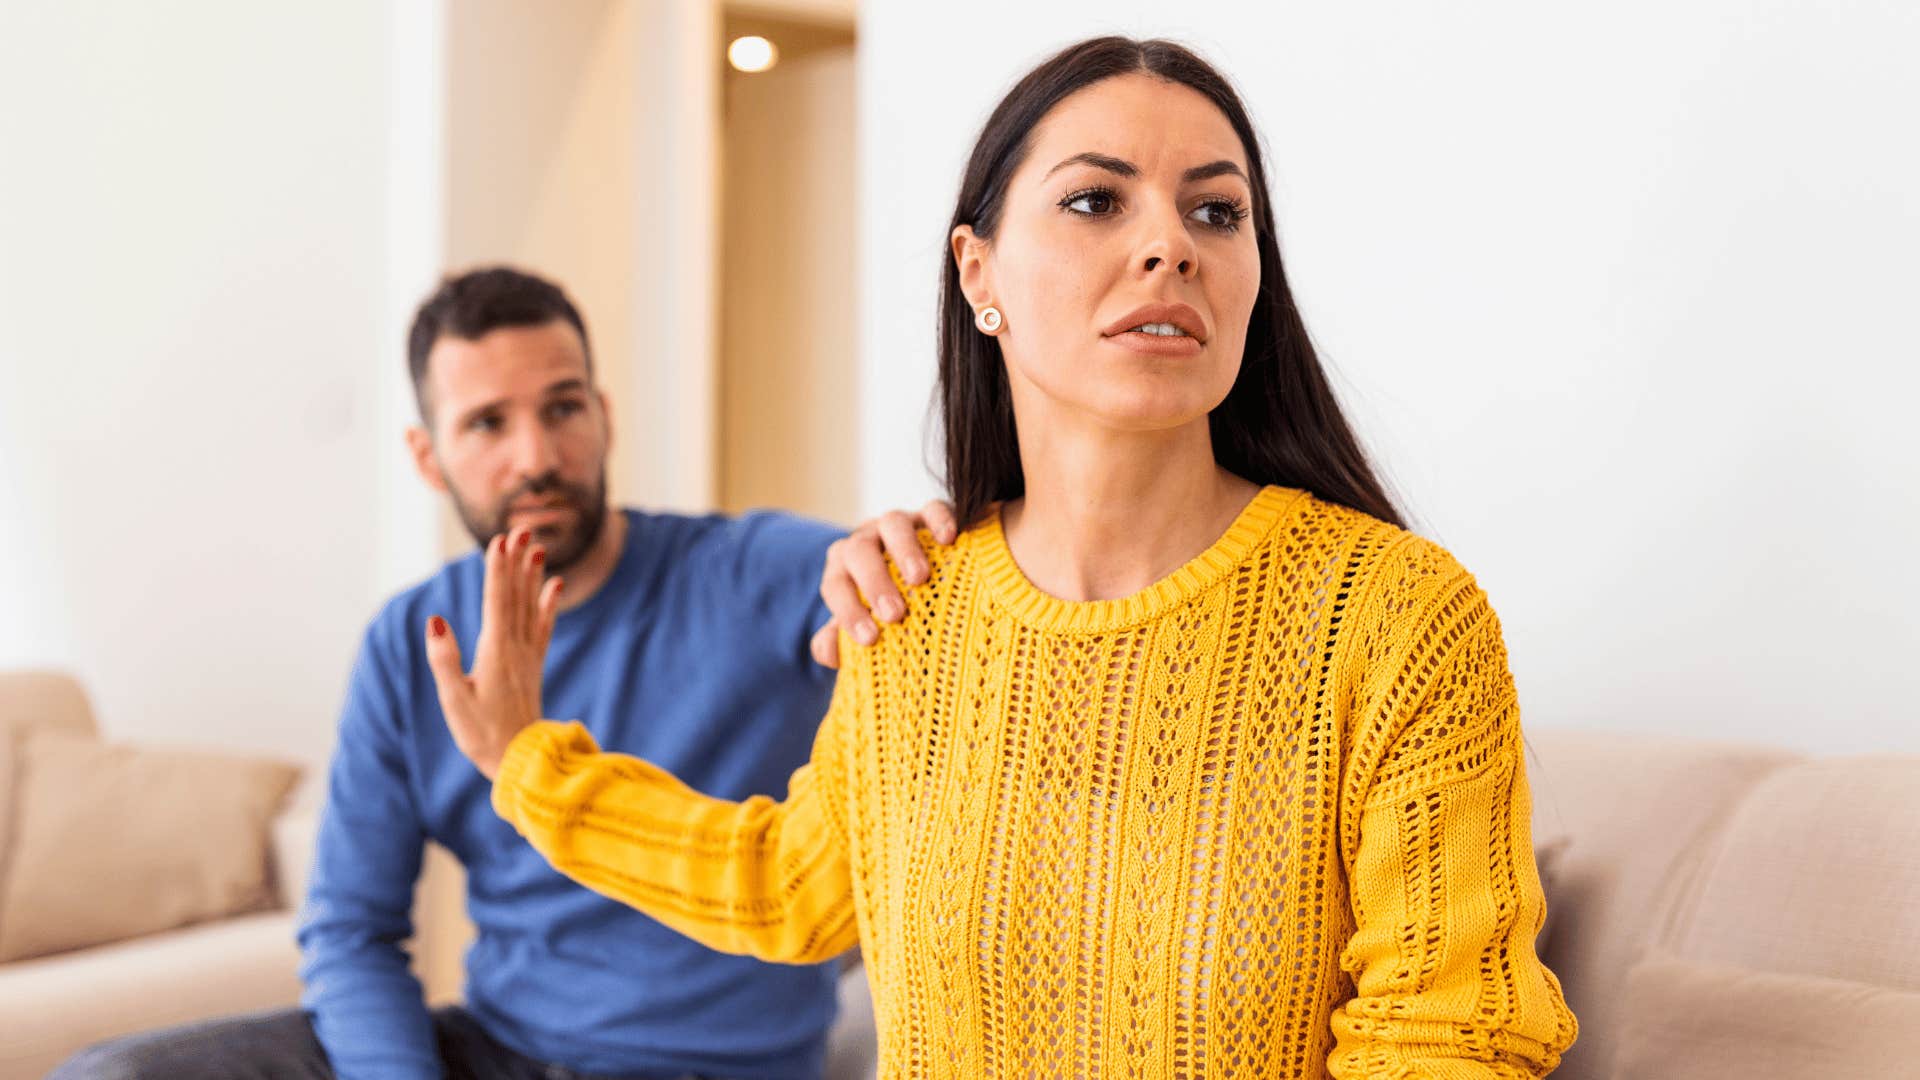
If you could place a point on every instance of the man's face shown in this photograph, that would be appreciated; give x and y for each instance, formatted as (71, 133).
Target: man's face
(518, 436)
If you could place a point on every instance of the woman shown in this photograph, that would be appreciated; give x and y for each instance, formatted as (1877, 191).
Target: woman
(1188, 760)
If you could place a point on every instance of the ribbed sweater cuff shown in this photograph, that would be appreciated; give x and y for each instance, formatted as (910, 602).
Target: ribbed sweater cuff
(518, 764)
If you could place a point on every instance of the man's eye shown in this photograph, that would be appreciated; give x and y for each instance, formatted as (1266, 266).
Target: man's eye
(560, 410)
(484, 424)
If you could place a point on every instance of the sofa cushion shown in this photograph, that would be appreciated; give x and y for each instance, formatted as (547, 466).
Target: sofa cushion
(55, 1006)
(111, 842)
(1817, 872)
(1547, 857)
(33, 702)
(1689, 1021)
(1636, 807)
(9, 789)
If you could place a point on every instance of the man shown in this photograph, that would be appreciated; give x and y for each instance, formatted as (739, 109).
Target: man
(666, 621)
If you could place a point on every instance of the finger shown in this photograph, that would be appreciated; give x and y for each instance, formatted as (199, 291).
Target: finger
(863, 561)
(548, 611)
(526, 587)
(521, 599)
(537, 585)
(901, 535)
(449, 677)
(938, 517)
(826, 646)
(492, 595)
(843, 599)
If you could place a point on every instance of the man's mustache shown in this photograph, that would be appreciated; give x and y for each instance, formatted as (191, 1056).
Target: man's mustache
(546, 485)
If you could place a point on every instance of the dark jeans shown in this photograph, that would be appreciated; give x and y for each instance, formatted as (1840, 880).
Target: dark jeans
(281, 1046)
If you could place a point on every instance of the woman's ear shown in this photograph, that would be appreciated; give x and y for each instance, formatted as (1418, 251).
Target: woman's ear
(970, 258)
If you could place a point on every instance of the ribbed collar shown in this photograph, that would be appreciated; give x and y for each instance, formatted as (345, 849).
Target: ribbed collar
(1054, 615)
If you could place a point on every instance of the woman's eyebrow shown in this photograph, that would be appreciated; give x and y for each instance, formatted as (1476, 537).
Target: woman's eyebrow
(1212, 169)
(1128, 169)
(1099, 161)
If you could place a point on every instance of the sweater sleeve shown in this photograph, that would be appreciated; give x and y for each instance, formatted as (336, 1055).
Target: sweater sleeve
(761, 878)
(1445, 894)
(366, 1006)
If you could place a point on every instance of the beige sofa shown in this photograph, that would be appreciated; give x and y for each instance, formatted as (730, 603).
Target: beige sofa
(1724, 858)
(1722, 855)
(53, 1005)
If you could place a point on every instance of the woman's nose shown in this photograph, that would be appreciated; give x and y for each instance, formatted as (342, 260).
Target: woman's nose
(1170, 246)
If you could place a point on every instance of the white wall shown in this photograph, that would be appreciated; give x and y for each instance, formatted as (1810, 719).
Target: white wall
(581, 141)
(1623, 299)
(192, 359)
(216, 218)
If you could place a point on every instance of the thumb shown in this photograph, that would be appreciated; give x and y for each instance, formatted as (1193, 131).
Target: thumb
(826, 645)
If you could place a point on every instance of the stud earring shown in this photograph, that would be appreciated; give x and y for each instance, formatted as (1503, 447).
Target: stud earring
(988, 320)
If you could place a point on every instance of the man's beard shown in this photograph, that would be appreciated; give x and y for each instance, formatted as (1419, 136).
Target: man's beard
(565, 543)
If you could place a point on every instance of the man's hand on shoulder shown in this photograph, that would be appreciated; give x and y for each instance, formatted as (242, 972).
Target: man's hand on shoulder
(856, 585)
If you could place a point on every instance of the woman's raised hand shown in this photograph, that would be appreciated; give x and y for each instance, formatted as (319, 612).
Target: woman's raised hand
(487, 708)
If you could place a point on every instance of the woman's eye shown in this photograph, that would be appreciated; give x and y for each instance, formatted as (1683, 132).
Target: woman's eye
(1094, 203)
(1216, 215)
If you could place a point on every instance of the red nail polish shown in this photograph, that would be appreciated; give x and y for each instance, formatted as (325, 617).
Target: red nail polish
(437, 626)
(540, 557)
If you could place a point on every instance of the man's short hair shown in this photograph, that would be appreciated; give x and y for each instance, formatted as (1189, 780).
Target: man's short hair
(471, 305)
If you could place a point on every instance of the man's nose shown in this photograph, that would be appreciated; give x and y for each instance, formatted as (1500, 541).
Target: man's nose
(534, 451)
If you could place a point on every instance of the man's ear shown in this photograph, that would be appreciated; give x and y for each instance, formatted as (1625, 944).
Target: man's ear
(970, 258)
(606, 413)
(420, 448)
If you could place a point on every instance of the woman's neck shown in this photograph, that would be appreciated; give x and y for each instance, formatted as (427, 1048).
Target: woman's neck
(1108, 513)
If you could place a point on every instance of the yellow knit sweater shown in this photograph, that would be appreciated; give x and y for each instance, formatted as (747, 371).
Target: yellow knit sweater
(1268, 817)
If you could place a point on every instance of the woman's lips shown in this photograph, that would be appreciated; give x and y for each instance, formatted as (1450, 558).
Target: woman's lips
(1156, 344)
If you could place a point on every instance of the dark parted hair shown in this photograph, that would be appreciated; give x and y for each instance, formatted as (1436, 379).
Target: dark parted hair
(1280, 424)
(470, 305)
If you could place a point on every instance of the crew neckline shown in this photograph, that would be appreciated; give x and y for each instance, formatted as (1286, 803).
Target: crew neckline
(623, 567)
(1044, 611)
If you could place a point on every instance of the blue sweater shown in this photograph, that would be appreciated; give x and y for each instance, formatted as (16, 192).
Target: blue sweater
(693, 655)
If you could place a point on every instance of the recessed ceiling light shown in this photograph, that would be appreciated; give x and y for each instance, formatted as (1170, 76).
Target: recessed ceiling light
(752, 54)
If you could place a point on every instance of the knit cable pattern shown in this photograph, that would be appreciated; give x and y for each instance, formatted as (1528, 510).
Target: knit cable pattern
(1268, 817)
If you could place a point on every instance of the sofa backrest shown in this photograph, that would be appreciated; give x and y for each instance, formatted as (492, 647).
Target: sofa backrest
(1637, 810)
(43, 701)
(1816, 872)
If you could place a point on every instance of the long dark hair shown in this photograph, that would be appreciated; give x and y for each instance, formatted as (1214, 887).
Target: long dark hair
(1280, 424)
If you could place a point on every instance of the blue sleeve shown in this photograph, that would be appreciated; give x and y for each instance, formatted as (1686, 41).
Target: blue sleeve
(773, 568)
(368, 1010)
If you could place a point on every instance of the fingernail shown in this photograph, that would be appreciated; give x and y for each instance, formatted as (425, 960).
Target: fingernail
(887, 608)
(559, 586)
(540, 557)
(437, 626)
(918, 574)
(866, 633)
